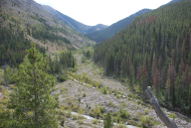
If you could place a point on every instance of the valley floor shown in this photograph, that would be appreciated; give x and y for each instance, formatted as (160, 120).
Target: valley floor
(82, 101)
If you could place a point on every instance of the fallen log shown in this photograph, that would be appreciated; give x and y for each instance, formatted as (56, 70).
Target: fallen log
(154, 102)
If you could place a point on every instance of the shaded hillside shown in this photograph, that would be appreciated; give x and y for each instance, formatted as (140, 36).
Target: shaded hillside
(24, 21)
(155, 50)
(107, 33)
(77, 26)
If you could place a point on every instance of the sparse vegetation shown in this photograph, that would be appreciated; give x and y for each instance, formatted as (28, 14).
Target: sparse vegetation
(97, 112)
(85, 79)
(120, 126)
(121, 116)
(43, 33)
(147, 122)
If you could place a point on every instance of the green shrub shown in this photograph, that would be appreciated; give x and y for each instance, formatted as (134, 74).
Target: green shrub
(121, 116)
(124, 114)
(108, 121)
(9, 75)
(111, 104)
(172, 115)
(120, 126)
(133, 122)
(62, 77)
(97, 112)
(84, 95)
(147, 122)
(95, 121)
(104, 90)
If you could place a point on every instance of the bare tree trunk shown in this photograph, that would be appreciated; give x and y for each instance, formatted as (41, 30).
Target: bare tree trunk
(153, 100)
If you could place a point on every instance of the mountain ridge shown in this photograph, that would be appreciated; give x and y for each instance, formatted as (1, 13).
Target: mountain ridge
(24, 22)
(34, 20)
(110, 31)
(76, 25)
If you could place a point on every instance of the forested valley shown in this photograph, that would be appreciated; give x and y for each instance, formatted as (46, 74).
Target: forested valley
(154, 51)
(53, 76)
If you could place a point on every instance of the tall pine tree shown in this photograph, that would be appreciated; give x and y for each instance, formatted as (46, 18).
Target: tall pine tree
(33, 104)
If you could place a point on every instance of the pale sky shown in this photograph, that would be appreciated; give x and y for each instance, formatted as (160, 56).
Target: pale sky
(92, 12)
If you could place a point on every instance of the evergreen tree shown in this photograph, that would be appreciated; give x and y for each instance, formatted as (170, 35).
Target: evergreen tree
(33, 104)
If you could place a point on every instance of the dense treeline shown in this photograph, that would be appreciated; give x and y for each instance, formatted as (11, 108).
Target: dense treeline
(155, 51)
(12, 46)
(13, 41)
(58, 66)
(62, 61)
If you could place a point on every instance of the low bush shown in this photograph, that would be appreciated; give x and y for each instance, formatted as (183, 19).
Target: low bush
(97, 112)
(147, 122)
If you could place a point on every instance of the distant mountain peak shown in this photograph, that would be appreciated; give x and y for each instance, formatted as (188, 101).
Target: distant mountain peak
(39, 25)
(108, 32)
(101, 25)
(76, 25)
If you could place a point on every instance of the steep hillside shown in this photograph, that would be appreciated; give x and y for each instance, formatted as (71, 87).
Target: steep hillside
(174, 1)
(77, 26)
(155, 50)
(171, 2)
(24, 21)
(107, 33)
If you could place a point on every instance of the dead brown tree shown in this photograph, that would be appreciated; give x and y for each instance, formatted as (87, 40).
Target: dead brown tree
(154, 102)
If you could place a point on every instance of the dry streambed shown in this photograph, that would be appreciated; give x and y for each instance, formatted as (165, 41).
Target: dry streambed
(90, 95)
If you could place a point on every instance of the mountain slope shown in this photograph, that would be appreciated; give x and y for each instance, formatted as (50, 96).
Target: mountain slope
(174, 1)
(25, 21)
(171, 2)
(30, 15)
(77, 26)
(107, 33)
(155, 50)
